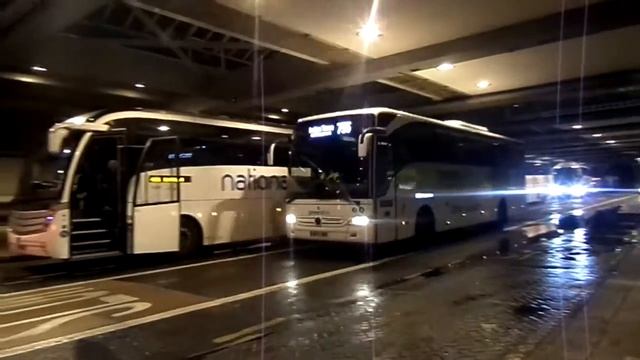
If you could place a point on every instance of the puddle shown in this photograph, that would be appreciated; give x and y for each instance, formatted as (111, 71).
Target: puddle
(504, 247)
(469, 298)
(437, 271)
(531, 309)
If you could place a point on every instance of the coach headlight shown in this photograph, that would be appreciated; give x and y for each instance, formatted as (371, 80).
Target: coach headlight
(290, 219)
(360, 220)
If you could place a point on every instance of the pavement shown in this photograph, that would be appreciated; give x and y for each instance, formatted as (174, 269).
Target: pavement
(484, 294)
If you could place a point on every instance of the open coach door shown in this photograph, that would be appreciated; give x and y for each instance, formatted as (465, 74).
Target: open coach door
(156, 198)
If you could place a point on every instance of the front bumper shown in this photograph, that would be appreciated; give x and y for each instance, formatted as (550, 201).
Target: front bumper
(346, 233)
(38, 244)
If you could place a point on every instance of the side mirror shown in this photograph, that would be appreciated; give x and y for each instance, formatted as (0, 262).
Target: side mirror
(365, 140)
(55, 140)
(364, 144)
(271, 155)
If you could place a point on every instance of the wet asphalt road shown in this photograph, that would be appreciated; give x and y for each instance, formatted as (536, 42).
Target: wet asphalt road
(489, 296)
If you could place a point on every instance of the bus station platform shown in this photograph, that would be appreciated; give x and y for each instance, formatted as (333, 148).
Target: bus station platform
(542, 288)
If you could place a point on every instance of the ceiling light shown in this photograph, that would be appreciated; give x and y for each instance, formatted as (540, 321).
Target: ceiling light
(38, 68)
(256, 138)
(483, 84)
(369, 32)
(596, 135)
(577, 126)
(274, 116)
(164, 128)
(610, 141)
(516, 105)
(444, 67)
(224, 136)
(140, 85)
(284, 110)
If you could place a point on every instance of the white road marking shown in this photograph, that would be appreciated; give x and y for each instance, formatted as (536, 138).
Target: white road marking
(42, 328)
(186, 309)
(609, 201)
(46, 293)
(249, 330)
(148, 272)
(110, 300)
(531, 222)
(10, 303)
(78, 297)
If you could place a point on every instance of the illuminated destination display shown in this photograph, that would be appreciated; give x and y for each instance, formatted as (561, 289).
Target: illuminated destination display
(340, 128)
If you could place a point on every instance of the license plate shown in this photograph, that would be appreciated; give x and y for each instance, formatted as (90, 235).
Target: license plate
(318, 233)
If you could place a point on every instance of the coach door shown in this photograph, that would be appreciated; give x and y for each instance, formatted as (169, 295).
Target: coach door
(384, 191)
(156, 198)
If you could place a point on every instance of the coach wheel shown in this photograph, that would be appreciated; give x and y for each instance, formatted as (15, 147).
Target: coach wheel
(190, 235)
(425, 224)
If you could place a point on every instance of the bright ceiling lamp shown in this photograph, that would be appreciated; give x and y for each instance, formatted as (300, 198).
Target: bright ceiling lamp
(444, 67)
(370, 32)
(576, 126)
(483, 84)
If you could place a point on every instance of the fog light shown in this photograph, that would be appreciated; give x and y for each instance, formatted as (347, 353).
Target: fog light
(360, 220)
(290, 219)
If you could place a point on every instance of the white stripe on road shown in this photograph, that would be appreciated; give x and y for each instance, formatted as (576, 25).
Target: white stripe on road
(532, 222)
(148, 272)
(187, 309)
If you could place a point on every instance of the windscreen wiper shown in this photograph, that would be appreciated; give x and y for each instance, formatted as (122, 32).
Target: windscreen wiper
(334, 177)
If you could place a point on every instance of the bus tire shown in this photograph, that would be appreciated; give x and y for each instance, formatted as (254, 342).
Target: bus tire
(425, 224)
(190, 235)
(503, 214)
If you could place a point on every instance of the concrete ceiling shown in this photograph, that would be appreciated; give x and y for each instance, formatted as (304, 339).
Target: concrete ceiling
(603, 52)
(405, 24)
(216, 57)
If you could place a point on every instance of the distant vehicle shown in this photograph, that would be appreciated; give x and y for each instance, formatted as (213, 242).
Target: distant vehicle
(147, 182)
(569, 179)
(377, 175)
(537, 186)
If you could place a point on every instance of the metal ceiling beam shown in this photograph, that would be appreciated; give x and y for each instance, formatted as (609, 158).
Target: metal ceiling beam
(165, 37)
(219, 18)
(603, 16)
(50, 18)
(595, 86)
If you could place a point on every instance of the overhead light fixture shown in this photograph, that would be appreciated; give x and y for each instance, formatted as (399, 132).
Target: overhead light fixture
(596, 135)
(140, 85)
(576, 126)
(284, 110)
(224, 136)
(610, 141)
(483, 84)
(274, 116)
(164, 128)
(38, 68)
(516, 105)
(444, 67)
(256, 138)
(369, 32)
